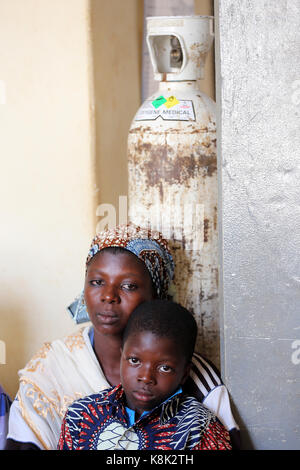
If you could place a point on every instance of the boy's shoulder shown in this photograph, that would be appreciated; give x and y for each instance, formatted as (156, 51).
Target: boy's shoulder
(191, 407)
(185, 398)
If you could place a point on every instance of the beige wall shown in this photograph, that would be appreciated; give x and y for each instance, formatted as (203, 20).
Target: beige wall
(117, 30)
(47, 177)
(206, 7)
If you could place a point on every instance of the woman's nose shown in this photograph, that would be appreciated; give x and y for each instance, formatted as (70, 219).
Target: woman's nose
(109, 294)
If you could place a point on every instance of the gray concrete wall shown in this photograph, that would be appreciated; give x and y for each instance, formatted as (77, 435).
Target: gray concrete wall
(258, 97)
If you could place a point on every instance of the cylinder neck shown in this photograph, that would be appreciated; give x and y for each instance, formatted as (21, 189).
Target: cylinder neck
(178, 46)
(188, 85)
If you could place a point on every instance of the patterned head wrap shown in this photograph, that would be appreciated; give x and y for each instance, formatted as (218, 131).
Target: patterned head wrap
(149, 246)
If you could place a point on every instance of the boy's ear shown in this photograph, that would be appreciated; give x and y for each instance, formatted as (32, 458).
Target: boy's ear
(186, 372)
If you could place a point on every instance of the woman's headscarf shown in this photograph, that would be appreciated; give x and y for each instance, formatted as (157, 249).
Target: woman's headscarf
(149, 246)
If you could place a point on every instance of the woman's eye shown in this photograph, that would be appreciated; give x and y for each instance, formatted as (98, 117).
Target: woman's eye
(129, 286)
(96, 282)
(133, 361)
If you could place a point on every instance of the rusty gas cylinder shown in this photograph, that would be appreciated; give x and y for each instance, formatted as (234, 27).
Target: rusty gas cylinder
(172, 166)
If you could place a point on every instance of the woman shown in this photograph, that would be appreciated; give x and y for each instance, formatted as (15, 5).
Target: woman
(124, 268)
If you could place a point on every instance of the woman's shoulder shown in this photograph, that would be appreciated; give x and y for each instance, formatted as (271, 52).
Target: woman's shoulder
(203, 378)
(207, 369)
(49, 349)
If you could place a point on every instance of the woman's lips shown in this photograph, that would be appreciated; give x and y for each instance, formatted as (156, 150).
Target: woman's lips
(107, 318)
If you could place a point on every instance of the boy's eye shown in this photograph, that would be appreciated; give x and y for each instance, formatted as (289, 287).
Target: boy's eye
(165, 368)
(133, 361)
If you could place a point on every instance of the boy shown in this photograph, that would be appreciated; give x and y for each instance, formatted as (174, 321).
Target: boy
(148, 410)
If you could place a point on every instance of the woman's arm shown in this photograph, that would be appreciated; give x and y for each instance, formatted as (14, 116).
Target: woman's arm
(20, 436)
(15, 445)
(216, 437)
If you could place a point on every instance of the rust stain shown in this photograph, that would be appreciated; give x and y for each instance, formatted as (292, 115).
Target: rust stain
(209, 162)
(212, 296)
(197, 54)
(206, 227)
(199, 131)
(140, 129)
(161, 165)
(215, 218)
(206, 141)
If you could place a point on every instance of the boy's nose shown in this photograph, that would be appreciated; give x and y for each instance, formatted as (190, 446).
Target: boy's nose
(146, 375)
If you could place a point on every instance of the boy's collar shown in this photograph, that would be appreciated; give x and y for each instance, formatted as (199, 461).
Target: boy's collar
(168, 408)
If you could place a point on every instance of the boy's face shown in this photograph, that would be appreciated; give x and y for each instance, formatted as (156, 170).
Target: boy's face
(152, 369)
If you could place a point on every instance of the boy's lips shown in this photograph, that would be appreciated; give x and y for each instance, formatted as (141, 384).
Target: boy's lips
(143, 395)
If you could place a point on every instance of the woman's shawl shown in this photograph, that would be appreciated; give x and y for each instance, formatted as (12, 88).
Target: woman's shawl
(60, 372)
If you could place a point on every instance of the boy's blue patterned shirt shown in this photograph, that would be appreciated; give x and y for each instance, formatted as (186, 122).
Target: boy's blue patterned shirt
(100, 422)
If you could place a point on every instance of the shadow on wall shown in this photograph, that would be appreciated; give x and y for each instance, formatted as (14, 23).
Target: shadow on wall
(246, 441)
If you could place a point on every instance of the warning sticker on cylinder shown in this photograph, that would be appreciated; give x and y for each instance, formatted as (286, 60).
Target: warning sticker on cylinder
(169, 109)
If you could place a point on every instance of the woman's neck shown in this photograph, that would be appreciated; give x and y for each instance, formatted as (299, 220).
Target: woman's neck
(108, 352)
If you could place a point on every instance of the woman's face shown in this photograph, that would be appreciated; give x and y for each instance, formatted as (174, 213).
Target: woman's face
(115, 285)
